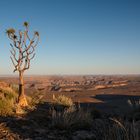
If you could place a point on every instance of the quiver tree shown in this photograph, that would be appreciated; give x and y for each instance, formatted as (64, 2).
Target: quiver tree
(22, 52)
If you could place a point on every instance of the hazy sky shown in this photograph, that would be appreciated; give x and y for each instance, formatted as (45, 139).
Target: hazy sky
(77, 36)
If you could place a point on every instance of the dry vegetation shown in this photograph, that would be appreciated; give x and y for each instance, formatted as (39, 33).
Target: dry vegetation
(7, 101)
(63, 119)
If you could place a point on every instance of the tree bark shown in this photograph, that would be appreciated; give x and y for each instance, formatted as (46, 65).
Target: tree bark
(21, 98)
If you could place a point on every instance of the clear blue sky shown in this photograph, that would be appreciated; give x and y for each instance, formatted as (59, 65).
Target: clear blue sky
(77, 36)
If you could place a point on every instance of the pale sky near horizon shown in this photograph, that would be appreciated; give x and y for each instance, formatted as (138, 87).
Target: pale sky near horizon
(77, 36)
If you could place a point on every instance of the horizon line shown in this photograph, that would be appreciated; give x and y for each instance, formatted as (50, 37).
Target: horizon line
(28, 75)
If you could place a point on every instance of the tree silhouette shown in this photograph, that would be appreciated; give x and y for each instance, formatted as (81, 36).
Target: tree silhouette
(22, 52)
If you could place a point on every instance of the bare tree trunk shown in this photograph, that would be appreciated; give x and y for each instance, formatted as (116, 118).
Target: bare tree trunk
(21, 98)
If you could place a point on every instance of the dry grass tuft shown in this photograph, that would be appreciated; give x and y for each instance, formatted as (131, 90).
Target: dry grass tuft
(71, 120)
(6, 107)
(124, 130)
(7, 101)
(62, 100)
(135, 104)
(69, 117)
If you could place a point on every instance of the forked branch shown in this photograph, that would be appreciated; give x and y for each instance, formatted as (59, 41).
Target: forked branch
(22, 47)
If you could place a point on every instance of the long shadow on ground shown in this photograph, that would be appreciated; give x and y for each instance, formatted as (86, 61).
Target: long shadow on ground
(114, 104)
(36, 124)
(33, 125)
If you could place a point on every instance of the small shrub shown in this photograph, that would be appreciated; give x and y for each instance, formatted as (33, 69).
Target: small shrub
(135, 112)
(118, 130)
(65, 115)
(7, 101)
(34, 100)
(122, 130)
(63, 100)
(135, 104)
(82, 120)
(71, 120)
(8, 93)
(6, 107)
